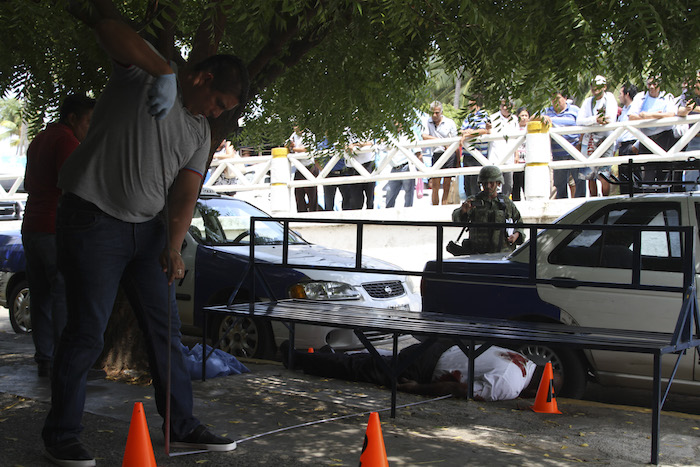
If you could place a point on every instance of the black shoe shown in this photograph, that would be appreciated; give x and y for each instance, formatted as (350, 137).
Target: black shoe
(284, 350)
(70, 453)
(44, 368)
(202, 438)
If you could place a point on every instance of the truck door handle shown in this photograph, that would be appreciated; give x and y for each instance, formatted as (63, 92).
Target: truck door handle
(564, 282)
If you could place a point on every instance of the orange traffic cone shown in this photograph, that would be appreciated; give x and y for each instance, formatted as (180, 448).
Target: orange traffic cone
(545, 402)
(139, 450)
(311, 350)
(373, 450)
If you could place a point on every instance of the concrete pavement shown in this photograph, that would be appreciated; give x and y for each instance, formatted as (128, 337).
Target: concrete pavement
(275, 414)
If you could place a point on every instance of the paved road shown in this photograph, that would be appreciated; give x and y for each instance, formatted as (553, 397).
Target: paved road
(253, 407)
(437, 433)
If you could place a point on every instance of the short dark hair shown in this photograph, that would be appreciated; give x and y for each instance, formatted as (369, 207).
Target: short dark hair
(520, 109)
(509, 102)
(75, 104)
(477, 98)
(230, 75)
(630, 89)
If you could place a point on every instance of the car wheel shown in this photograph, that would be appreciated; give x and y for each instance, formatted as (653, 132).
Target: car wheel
(249, 337)
(565, 361)
(18, 303)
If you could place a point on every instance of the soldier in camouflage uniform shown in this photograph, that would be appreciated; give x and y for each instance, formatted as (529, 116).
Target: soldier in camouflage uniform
(488, 206)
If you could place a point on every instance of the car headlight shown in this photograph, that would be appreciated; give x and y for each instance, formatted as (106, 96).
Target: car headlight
(324, 290)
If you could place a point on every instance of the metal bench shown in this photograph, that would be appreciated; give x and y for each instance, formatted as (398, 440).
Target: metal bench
(467, 332)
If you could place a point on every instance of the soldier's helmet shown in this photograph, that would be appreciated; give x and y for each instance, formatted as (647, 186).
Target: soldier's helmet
(490, 173)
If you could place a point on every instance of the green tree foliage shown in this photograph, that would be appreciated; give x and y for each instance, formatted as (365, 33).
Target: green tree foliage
(10, 118)
(336, 64)
(12, 127)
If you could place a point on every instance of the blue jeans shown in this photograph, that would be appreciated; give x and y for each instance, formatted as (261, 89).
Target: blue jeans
(95, 253)
(48, 300)
(394, 186)
(561, 176)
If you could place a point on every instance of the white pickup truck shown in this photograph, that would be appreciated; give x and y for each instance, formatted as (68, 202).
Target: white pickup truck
(567, 256)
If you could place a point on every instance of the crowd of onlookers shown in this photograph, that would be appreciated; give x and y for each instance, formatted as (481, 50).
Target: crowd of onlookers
(601, 107)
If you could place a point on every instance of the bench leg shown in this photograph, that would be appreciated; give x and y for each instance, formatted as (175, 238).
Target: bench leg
(395, 369)
(292, 343)
(656, 410)
(394, 376)
(205, 319)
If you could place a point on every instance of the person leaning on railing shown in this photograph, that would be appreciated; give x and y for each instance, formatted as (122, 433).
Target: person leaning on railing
(690, 103)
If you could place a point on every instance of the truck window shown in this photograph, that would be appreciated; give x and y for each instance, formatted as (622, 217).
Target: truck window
(661, 251)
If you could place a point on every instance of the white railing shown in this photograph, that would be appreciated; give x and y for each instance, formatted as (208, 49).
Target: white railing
(256, 167)
(11, 194)
(617, 129)
(264, 172)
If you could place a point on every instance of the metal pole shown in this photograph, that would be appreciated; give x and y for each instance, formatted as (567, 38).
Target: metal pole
(168, 301)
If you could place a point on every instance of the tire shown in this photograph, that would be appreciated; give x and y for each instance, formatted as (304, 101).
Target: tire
(567, 362)
(18, 304)
(251, 338)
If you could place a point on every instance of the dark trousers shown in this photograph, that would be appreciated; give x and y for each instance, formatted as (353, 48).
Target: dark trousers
(47, 307)
(518, 185)
(306, 197)
(471, 182)
(665, 140)
(358, 193)
(329, 191)
(627, 148)
(363, 367)
(95, 253)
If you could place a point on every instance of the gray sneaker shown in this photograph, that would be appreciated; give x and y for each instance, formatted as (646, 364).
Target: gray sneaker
(202, 438)
(70, 453)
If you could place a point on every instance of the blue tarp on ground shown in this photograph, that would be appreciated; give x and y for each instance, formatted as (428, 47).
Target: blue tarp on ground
(219, 363)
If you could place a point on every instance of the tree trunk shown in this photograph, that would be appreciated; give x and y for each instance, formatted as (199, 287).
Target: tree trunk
(458, 91)
(124, 356)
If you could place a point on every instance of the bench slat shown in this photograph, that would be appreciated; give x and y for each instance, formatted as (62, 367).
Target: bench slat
(404, 322)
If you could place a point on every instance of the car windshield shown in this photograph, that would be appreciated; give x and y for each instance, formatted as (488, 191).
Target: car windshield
(224, 221)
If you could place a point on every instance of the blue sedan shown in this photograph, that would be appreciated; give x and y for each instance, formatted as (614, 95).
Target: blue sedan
(216, 254)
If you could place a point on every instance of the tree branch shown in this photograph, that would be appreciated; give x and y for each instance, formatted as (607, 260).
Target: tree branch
(164, 39)
(89, 12)
(208, 36)
(279, 37)
(297, 51)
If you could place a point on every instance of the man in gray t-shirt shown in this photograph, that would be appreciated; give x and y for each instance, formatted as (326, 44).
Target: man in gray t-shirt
(147, 148)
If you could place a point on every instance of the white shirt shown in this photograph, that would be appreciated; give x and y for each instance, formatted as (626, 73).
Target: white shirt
(588, 113)
(297, 139)
(445, 129)
(499, 374)
(498, 148)
(663, 103)
(624, 117)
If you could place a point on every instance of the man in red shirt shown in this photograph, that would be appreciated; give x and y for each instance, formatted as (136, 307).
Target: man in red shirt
(45, 156)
